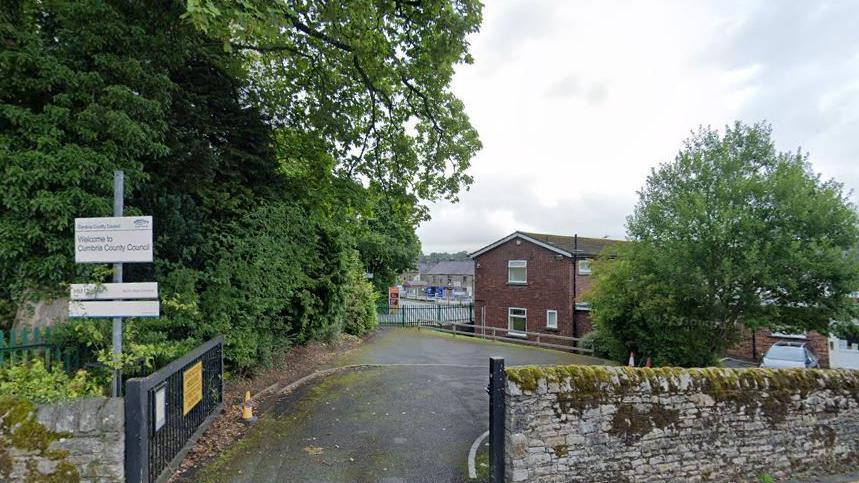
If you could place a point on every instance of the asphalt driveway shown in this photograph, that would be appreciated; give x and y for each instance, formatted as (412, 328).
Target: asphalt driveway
(411, 419)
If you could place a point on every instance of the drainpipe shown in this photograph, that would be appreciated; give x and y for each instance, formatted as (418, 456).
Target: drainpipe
(575, 270)
(754, 345)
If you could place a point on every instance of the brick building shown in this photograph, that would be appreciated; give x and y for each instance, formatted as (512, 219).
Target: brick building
(455, 277)
(531, 282)
(753, 348)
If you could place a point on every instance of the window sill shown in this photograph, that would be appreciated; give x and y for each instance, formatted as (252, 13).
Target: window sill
(517, 334)
(517, 284)
(552, 329)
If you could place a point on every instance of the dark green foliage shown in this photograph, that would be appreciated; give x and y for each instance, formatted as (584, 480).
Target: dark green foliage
(75, 104)
(387, 241)
(847, 330)
(279, 277)
(275, 179)
(731, 234)
(359, 300)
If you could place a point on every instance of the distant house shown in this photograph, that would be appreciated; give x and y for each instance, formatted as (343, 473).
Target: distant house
(413, 282)
(450, 279)
(832, 351)
(533, 282)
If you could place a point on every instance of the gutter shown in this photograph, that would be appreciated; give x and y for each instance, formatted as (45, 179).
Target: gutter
(575, 270)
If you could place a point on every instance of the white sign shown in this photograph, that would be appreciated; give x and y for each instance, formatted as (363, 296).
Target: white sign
(160, 407)
(110, 291)
(122, 239)
(114, 308)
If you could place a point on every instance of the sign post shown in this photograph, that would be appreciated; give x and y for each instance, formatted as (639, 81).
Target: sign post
(117, 240)
(118, 207)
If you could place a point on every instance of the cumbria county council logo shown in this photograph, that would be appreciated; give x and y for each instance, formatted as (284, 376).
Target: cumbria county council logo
(141, 223)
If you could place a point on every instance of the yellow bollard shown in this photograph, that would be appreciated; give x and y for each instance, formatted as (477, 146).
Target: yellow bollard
(248, 410)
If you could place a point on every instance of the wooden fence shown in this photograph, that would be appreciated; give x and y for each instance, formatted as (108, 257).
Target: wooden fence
(507, 335)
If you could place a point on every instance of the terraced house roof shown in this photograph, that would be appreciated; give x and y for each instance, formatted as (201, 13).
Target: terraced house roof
(586, 246)
(461, 267)
(563, 244)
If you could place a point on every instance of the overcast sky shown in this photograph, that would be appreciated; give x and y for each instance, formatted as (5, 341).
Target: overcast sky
(575, 101)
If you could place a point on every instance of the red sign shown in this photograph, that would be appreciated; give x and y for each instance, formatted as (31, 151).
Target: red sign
(393, 297)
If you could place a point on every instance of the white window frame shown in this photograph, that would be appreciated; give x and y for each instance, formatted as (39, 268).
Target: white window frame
(510, 330)
(587, 263)
(555, 325)
(517, 264)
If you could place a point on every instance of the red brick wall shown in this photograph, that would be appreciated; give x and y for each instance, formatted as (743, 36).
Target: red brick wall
(583, 284)
(549, 286)
(583, 317)
(583, 323)
(764, 339)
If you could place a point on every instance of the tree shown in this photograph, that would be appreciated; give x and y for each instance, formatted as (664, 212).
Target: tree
(370, 78)
(436, 257)
(732, 234)
(283, 149)
(75, 104)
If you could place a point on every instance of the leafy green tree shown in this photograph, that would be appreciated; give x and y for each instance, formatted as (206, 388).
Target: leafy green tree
(371, 78)
(282, 150)
(387, 241)
(731, 234)
(435, 257)
(75, 104)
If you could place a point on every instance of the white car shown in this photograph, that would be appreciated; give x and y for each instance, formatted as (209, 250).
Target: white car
(790, 354)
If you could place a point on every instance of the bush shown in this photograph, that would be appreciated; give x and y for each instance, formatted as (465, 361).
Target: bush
(279, 277)
(147, 345)
(35, 382)
(360, 301)
(602, 344)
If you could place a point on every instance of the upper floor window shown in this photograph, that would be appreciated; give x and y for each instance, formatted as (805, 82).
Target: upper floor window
(517, 271)
(585, 267)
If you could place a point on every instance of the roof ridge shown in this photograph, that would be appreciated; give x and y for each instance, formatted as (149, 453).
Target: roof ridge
(575, 235)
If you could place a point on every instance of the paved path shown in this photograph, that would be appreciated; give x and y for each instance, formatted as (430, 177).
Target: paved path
(413, 419)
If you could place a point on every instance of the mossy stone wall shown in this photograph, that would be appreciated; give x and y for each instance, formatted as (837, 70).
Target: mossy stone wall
(71, 441)
(596, 423)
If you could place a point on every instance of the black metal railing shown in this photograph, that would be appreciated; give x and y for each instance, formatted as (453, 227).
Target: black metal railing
(166, 409)
(417, 315)
(37, 344)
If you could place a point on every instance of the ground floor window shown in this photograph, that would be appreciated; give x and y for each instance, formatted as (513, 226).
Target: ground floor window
(517, 320)
(551, 319)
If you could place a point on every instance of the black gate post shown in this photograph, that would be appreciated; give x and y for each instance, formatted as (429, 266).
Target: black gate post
(136, 437)
(497, 383)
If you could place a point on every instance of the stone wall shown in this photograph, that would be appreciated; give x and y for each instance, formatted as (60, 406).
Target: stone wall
(96, 429)
(81, 440)
(587, 423)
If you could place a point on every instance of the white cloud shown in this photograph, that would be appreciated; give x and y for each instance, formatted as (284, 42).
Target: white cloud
(576, 101)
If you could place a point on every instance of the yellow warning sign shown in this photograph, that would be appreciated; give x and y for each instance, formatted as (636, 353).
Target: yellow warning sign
(192, 387)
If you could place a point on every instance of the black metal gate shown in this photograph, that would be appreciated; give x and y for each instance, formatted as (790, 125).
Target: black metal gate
(166, 409)
(496, 389)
